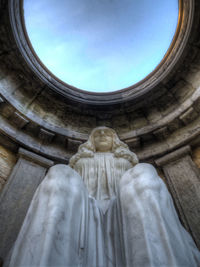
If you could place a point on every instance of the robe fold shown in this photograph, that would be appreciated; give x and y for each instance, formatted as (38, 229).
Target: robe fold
(104, 213)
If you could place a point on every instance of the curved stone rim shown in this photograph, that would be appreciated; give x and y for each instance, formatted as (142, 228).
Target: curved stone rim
(135, 92)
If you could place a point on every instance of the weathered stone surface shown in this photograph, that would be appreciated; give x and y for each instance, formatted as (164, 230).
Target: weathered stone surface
(46, 136)
(73, 145)
(171, 157)
(137, 120)
(154, 114)
(133, 142)
(8, 144)
(1, 100)
(18, 120)
(161, 174)
(184, 135)
(101, 122)
(167, 104)
(193, 77)
(182, 90)
(120, 123)
(188, 116)
(197, 104)
(174, 125)
(9, 83)
(86, 123)
(183, 179)
(148, 151)
(196, 156)
(161, 133)
(147, 138)
(7, 162)
(6, 110)
(17, 194)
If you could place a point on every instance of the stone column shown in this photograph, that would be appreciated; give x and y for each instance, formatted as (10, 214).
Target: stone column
(16, 196)
(183, 179)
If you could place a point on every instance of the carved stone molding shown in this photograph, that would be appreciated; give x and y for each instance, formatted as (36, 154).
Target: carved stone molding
(189, 116)
(46, 136)
(18, 120)
(32, 157)
(151, 82)
(172, 157)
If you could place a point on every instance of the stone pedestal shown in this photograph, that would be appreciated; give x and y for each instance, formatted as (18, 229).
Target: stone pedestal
(16, 196)
(183, 178)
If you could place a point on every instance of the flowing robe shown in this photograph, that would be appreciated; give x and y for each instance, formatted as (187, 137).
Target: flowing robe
(101, 175)
(105, 213)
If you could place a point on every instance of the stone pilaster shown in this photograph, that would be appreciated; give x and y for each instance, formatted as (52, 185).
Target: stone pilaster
(183, 179)
(16, 196)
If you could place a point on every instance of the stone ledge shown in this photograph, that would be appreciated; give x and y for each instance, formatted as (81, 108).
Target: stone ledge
(173, 156)
(18, 120)
(30, 156)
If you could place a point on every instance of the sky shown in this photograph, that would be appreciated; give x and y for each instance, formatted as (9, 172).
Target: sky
(101, 45)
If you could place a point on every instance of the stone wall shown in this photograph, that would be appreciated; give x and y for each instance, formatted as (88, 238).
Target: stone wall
(7, 161)
(196, 156)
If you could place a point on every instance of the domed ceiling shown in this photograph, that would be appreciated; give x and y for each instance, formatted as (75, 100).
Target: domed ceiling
(154, 116)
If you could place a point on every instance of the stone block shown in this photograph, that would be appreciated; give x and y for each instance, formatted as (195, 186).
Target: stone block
(166, 103)
(7, 162)
(182, 90)
(18, 120)
(138, 123)
(137, 119)
(133, 142)
(101, 122)
(16, 196)
(193, 77)
(6, 110)
(9, 84)
(45, 136)
(161, 133)
(197, 104)
(1, 100)
(174, 125)
(120, 123)
(183, 179)
(154, 115)
(188, 116)
(72, 144)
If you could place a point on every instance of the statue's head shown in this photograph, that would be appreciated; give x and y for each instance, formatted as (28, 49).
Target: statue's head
(104, 139)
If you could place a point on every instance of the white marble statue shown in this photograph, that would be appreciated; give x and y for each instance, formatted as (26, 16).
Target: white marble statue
(104, 210)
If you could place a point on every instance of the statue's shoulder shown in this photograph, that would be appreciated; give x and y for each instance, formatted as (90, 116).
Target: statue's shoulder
(142, 168)
(60, 169)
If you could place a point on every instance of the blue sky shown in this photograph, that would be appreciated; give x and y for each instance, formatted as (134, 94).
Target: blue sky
(101, 45)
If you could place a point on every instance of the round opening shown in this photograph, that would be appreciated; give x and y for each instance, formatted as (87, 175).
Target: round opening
(101, 45)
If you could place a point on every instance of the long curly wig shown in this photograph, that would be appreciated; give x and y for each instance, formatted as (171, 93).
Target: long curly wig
(119, 148)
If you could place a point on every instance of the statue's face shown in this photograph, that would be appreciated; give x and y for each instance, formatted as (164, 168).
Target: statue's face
(103, 140)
